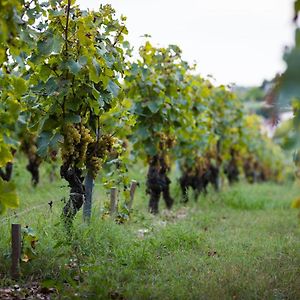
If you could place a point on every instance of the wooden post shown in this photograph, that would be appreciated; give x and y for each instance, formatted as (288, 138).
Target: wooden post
(15, 250)
(113, 200)
(87, 204)
(132, 191)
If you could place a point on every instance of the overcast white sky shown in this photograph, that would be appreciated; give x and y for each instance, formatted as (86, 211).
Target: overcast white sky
(236, 41)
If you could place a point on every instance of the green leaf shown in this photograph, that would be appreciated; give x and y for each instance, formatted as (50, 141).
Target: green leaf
(19, 85)
(290, 86)
(82, 60)
(57, 44)
(113, 88)
(97, 97)
(297, 6)
(94, 71)
(50, 45)
(134, 69)
(150, 149)
(14, 142)
(47, 140)
(143, 132)
(153, 106)
(44, 73)
(73, 118)
(51, 86)
(49, 122)
(74, 66)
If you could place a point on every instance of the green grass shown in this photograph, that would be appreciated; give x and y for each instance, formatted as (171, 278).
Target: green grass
(241, 243)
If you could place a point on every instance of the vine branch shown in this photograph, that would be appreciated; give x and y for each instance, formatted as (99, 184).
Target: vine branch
(118, 36)
(67, 25)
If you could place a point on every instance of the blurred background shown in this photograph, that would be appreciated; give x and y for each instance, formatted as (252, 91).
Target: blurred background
(239, 42)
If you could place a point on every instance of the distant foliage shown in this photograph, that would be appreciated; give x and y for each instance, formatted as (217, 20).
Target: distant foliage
(71, 89)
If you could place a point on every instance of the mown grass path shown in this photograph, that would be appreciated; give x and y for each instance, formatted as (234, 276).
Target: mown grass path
(242, 243)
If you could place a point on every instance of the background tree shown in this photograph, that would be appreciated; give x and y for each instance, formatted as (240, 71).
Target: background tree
(195, 136)
(155, 83)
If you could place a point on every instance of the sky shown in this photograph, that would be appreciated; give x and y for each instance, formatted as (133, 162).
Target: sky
(235, 41)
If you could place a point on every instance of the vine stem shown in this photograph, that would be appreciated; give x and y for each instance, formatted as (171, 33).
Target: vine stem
(67, 25)
(118, 36)
(66, 47)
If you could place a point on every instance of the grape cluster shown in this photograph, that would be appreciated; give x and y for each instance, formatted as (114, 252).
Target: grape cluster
(167, 161)
(106, 144)
(81, 149)
(29, 145)
(201, 165)
(32, 150)
(72, 139)
(98, 151)
(86, 139)
(166, 142)
(95, 164)
(77, 139)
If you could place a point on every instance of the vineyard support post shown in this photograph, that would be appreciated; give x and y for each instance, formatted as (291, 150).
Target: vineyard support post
(113, 201)
(87, 205)
(132, 191)
(15, 250)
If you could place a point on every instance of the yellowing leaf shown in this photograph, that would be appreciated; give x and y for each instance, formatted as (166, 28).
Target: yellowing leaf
(296, 203)
(127, 103)
(8, 196)
(5, 155)
(25, 258)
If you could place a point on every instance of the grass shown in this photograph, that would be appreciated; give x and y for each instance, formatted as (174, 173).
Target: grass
(242, 243)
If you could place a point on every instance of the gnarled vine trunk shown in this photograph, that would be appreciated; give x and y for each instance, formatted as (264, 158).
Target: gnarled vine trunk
(213, 176)
(232, 170)
(158, 183)
(33, 167)
(196, 181)
(186, 181)
(249, 171)
(165, 182)
(77, 192)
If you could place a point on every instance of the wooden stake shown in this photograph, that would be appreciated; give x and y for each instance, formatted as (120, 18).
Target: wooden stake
(132, 191)
(113, 200)
(15, 250)
(87, 204)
